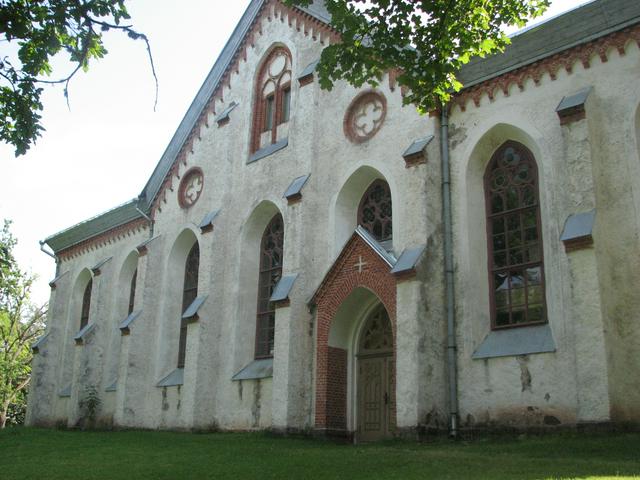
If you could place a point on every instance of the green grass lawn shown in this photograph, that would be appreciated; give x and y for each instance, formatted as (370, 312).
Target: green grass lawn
(53, 454)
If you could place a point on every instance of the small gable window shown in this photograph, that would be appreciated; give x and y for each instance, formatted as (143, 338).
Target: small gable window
(86, 305)
(271, 253)
(374, 212)
(189, 294)
(272, 107)
(516, 269)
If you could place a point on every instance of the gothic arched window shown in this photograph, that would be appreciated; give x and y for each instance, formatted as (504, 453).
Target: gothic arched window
(374, 213)
(271, 253)
(132, 291)
(516, 267)
(86, 305)
(189, 294)
(272, 98)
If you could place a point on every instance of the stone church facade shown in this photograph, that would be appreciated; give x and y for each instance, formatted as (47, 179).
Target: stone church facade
(296, 263)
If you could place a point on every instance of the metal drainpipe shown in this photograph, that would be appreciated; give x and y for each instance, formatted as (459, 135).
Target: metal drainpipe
(55, 257)
(448, 268)
(151, 222)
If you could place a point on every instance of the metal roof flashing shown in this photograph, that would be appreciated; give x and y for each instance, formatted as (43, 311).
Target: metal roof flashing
(388, 257)
(259, 368)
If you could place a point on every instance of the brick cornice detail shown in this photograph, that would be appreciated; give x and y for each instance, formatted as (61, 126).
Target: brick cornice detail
(108, 237)
(551, 66)
(272, 10)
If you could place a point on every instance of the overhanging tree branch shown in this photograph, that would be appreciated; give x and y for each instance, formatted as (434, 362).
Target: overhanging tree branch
(42, 30)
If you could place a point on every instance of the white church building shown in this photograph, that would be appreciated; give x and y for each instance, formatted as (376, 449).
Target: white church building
(335, 263)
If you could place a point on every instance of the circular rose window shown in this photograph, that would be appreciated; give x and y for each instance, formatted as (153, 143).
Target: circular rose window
(190, 187)
(365, 116)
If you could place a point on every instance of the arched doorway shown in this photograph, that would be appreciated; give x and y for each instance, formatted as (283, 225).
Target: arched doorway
(375, 378)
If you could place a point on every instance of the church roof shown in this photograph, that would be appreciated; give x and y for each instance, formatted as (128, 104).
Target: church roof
(102, 223)
(581, 25)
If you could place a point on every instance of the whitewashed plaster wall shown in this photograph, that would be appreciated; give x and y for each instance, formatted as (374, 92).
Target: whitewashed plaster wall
(576, 383)
(221, 342)
(81, 366)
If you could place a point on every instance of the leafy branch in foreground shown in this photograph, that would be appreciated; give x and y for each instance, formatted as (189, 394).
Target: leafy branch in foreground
(20, 324)
(426, 41)
(40, 30)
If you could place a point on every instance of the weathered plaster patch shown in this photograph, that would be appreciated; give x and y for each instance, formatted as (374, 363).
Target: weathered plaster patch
(457, 135)
(255, 408)
(525, 374)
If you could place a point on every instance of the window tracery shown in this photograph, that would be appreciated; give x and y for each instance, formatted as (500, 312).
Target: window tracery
(365, 116)
(377, 336)
(514, 238)
(272, 108)
(375, 211)
(271, 255)
(189, 294)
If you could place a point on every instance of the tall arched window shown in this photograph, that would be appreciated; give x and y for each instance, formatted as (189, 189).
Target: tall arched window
(132, 291)
(271, 252)
(189, 294)
(272, 98)
(374, 212)
(516, 269)
(86, 305)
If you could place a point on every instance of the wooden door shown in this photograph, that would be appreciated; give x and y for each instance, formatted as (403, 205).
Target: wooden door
(374, 397)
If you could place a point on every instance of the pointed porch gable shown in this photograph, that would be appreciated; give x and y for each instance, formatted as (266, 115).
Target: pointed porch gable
(363, 263)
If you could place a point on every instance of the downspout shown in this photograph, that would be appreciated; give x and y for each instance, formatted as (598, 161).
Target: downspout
(55, 257)
(151, 222)
(448, 269)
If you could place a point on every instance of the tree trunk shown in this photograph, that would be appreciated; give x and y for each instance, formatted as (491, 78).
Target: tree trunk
(4, 412)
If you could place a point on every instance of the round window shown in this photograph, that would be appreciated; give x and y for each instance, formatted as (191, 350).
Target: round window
(365, 116)
(190, 187)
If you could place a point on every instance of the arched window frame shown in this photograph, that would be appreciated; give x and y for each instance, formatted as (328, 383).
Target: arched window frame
(271, 255)
(514, 238)
(189, 294)
(132, 292)
(273, 108)
(86, 304)
(383, 212)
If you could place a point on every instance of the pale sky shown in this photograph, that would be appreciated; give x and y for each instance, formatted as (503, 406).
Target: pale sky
(101, 152)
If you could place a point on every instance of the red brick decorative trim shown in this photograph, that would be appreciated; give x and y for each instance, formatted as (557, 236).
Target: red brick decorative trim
(550, 65)
(185, 200)
(108, 237)
(272, 10)
(578, 243)
(350, 122)
(415, 159)
(357, 266)
(572, 115)
(258, 113)
(306, 80)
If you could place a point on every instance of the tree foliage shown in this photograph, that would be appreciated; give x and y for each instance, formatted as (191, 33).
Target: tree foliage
(20, 324)
(426, 41)
(36, 31)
